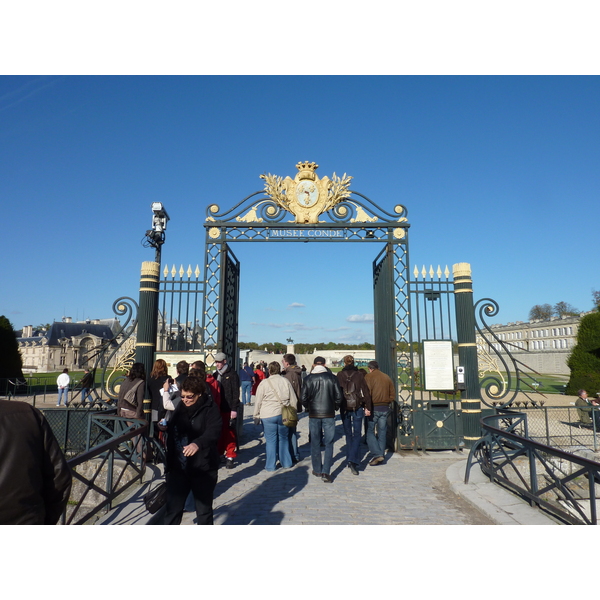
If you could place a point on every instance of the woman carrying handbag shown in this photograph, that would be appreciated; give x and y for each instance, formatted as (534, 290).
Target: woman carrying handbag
(272, 394)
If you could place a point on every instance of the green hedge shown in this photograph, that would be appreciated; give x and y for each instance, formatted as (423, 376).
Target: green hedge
(584, 361)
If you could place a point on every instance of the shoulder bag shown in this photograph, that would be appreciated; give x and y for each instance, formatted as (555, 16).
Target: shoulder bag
(289, 415)
(130, 394)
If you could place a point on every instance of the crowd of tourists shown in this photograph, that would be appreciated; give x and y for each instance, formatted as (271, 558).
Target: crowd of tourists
(195, 418)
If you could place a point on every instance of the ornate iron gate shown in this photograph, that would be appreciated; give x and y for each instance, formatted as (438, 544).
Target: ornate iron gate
(437, 415)
(409, 313)
(324, 210)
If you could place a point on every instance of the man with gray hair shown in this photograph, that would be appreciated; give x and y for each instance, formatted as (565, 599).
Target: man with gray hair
(230, 381)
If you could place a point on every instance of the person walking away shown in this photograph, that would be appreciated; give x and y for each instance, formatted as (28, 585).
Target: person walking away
(35, 479)
(183, 369)
(131, 399)
(355, 406)
(321, 396)
(246, 375)
(230, 381)
(259, 375)
(273, 393)
(63, 381)
(158, 376)
(131, 393)
(383, 393)
(192, 457)
(293, 373)
(87, 383)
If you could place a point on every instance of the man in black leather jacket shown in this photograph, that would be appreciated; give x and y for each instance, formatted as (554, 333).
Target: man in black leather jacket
(322, 397)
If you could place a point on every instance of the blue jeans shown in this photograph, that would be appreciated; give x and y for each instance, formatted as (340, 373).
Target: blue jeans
(315, 426)
(85, 392)
(376, 442)
(63, 392)
(246, 389)
(352, 421)
(277, 443)
(294, 443)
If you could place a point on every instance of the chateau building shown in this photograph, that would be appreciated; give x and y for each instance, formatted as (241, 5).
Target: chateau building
(547, 344)
(65, 344)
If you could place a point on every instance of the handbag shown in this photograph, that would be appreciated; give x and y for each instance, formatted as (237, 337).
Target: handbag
(289, 415)
(130, 394)
(156, 498)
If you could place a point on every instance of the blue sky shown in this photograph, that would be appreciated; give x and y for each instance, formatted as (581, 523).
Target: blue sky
(501, 172)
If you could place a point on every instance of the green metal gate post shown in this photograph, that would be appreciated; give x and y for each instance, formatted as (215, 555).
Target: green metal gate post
(147, 324)
(467, 351)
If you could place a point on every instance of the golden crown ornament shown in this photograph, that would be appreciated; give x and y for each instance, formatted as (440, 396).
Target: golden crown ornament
(306, 196)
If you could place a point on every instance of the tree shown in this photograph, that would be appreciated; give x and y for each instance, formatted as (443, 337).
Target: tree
(584, 361)
(564, 309)
(596, 298)
(11, 365)
(540, 312)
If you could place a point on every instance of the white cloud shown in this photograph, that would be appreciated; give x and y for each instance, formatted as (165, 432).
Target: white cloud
(296, 305)
(361, 319)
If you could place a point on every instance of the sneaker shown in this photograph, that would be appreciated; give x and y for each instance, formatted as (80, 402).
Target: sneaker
(376, 461)
(317, 474)
(326, 478)
(229, 463)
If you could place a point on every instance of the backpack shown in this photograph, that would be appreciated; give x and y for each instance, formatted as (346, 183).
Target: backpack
(351, 394)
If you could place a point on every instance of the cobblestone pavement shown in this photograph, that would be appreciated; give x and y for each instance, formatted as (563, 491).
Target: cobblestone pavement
(410, 488)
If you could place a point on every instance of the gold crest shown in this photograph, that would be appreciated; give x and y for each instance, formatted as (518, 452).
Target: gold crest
(306, 196)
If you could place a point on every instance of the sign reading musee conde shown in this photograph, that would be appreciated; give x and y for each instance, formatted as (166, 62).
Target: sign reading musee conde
(306, 233)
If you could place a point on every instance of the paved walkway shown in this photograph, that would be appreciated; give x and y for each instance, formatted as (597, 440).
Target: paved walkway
(410, 488)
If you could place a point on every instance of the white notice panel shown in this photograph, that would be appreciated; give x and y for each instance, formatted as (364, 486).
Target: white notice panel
(439, 372)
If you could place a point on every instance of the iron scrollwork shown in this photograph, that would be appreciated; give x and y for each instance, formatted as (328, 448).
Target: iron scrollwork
(513, 377)
(115, 356)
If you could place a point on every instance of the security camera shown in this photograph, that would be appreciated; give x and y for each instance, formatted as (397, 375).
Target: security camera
(160, 217)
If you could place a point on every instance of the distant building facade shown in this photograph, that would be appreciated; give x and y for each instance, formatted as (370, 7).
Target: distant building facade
(544, 346)
(65, 344)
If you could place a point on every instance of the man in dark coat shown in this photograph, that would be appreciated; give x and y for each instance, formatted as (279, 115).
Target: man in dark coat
(35, 480)
(293, 373)
(321, 396)
(230, 381)
(87, 382)
(355, 406)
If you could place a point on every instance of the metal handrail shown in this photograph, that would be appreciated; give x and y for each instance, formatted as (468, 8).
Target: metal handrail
(128, 444)
(563, 492)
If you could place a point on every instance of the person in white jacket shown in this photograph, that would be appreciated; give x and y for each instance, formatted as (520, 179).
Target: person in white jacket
(63, 381)
(273, 393)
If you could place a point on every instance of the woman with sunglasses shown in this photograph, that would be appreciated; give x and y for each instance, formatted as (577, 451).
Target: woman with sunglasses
(192, 458)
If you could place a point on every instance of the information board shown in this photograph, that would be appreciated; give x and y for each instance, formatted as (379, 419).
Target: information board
(438, 368)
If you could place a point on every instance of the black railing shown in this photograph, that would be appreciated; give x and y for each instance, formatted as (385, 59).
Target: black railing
(559, 482)
(104, 472)
(41, 387)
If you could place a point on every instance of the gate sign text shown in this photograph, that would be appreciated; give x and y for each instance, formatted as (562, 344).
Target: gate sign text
(301, 233)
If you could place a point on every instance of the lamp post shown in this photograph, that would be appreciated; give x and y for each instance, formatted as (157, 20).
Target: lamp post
(148, 304)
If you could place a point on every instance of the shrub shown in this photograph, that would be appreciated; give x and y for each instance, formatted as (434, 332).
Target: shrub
(584, 361)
